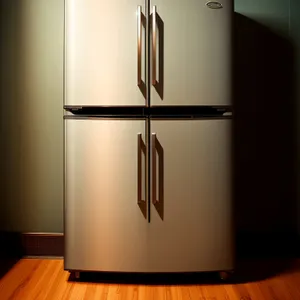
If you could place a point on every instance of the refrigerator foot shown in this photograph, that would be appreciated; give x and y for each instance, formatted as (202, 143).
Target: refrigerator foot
(77, 275)
(225, 275)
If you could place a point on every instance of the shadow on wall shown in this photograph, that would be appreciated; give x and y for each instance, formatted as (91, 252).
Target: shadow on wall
(10, 251)
(265, 140)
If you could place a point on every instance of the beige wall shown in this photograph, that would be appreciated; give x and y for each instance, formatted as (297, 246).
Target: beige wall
(31, 115)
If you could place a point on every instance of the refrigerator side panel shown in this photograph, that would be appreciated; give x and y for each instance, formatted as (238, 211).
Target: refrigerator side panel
(105, 226)
(191, 226)
(190, 52)
(101, 52)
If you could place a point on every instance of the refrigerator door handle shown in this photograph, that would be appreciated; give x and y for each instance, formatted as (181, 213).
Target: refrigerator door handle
(157, 152)
(139, 45)
(154, 46)
(154, 200)
(141, 149)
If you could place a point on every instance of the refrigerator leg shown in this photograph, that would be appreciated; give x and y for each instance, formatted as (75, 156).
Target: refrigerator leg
(225, 275)
(76, 274)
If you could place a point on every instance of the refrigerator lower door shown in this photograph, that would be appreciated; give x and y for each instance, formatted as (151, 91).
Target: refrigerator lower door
(191, 211)
(105, 219)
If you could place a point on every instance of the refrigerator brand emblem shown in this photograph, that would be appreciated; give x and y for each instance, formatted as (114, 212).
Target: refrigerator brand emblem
(214, 5)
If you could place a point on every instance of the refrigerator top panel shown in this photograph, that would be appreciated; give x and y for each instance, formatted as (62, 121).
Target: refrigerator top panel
(191, 49)
(104, 53)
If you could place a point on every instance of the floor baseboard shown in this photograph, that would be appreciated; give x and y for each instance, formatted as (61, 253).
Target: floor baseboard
(14, 244)
(43, 244)
(248, 245)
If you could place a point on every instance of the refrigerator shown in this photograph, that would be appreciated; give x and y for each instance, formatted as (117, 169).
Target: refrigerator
(147, 136)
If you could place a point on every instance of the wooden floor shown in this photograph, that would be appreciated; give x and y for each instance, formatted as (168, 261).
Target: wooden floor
(46, 279)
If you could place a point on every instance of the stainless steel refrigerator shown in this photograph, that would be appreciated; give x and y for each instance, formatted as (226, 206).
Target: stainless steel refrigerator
(148, 136)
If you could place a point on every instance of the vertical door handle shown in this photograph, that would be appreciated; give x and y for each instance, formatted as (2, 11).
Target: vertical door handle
(139, 170)
(154, 46)
(141, 148)
(139, 45)
(157, 152)
(153, 154)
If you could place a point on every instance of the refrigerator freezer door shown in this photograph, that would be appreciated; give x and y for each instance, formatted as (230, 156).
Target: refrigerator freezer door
(190, 52)
(105, 225)
(191, 210)
(105, 52)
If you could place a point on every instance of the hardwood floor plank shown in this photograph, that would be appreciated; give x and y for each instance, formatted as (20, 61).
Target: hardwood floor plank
(36, 286)
(60, 284)
(91, 290)
(45, 279)
(231, 293)
(12, 284)
(185, 293)
(142, 292)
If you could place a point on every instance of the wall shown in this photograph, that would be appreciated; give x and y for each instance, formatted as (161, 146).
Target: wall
(295, 34)
(31, 115)
(266, 105)
(274, 14)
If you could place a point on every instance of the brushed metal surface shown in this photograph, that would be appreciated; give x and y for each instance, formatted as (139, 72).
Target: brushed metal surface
(195, 231)
(194, 59)
(105, 230)
(101, 53)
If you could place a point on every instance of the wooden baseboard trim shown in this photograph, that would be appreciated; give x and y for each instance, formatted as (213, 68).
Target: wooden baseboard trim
(43, 244)
(14, 244)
